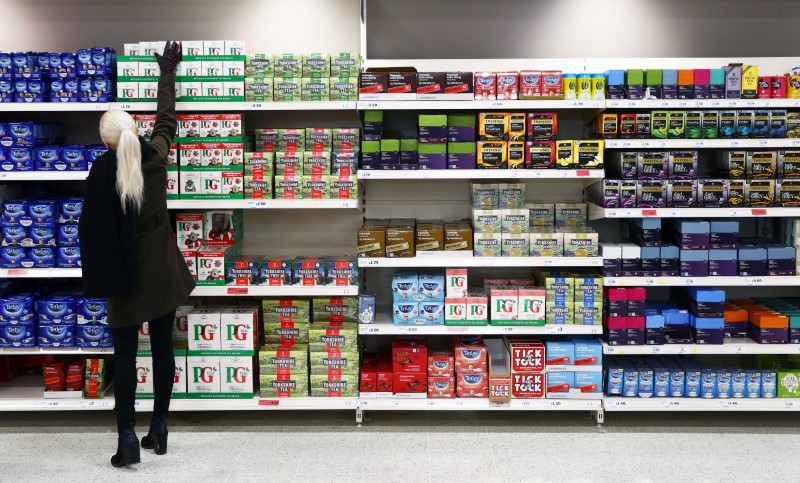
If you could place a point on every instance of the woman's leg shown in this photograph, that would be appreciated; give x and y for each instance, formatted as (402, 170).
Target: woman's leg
(126, 341)
(163, 362)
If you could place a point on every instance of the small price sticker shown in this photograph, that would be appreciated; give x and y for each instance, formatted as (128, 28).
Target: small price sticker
(459, 404)
(410, 329)
(507, 329)
(759, 212)
(497, 104)
(688, 281)
(646, 213)
(370, 330)
(373, 262)
(525, 404)
(238, 291)
(363, 403)
(738, 349)
(619, 404)
(395, 404)
(16, 272)
(671, 404)
(124, 106)
(554, 329)
(789, 405)
(255, 203)
(649, 282)
(253, 106)
(455, 328)
(553, 404)
(547, 262)
(699, 144)
(754, 281)
(49, 403)
(762, 143)
(269, 402)
(734, 143)
(729, 404)
(582, 173)
(654, 349)
(95, 403)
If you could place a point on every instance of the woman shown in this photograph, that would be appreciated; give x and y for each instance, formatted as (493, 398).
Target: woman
(129, 255)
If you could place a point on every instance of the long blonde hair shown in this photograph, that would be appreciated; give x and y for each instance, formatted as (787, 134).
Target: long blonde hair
(119, 131)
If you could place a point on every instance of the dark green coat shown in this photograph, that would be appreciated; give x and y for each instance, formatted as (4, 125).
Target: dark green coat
(164, 279)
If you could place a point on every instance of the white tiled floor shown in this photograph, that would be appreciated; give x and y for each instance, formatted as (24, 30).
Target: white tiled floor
(410, 447)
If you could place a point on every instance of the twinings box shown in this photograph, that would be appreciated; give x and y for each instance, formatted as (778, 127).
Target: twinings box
(457, 237)
(545, 243)
(492, 155)
(580, 244)
(565, 154)
(494, 126)
(515, 245)
(371, 242)
(589, 154)
(487, 245)
(400, 242)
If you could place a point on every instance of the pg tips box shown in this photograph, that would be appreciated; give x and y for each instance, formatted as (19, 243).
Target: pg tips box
(236, 376)
(211, 266)
(456, 280)
(179, 382)
(531, 307)
(529, 385)
(144, 377)
(527, 355)
(203, 379)
(204, 328)
(505, 301)
(238, 327)
(190, 230)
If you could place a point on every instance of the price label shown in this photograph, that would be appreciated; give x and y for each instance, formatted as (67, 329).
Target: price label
(673, 214)
(553, 404)
(500, 405)
(627, 214)
(688, 281)
(580, 104)
(49, 403)
(95, 403)
(626, 144)
(547, 262)
(649, 213)
(347, 105)
(759, 212)
(734, 143)
(612, 214)
(506, 329)
(3, 175)
(733, 103)
(699, 144)
(681, 349)
(581, 173)
(794, 142)
(395, 404)
(137, 404)
(763, 142)
(457, 329)
(683, 104)
(255, 204)
(430, 403)
(649, 282)
(654, 349)
(612, 282)
(253, 106)
(619, 404)
(671, 404)
(365, 173)
(459, 404)
(729, 404)
(369, 330)
(733, 213)
(663, 104)
(123, 106)
(15, 272)
(348, 403)
(646, 144)
(497, 104)
(609, 349)
(554, 329)
(238, 291)
(410, 329)
(525, 404)
(715, 103)
(789, 405)
(754, 281)
(269, 402)
(738, 349)
(750, 103)
(373, 262)
(363, 403)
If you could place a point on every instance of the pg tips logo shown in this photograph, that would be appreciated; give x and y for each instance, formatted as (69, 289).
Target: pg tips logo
(178, 374)
(238, 332)
(205, 332)
(237, 375)
(142, 373)
(204, 375)
(505, 305)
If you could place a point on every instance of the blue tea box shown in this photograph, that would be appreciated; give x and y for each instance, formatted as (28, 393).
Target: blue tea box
(677, 382)
(769, 384)
(405, 313)
(661, 381)
(711, 295)
(405, 286)
(366, 309)
(18, 159)
(669, 87)
(73, 157)
(588, 352)
(614, 379)
(722, 263)
(651, 261)
(615, 84)
(694, 263)
(753, 387)
(14, 236)
(14, 257)
(691, 234)
(589, 382)
(630, 387)
(17, 309)
(67, 236)
(430, 288)
(670, 261)
(781, 260)
(738, 383)
(56, 310)
(430, 313)
(752, 261)
(724, 234)
(42, 257)
(646, 382)
(46, 158)
(18, 335)
(559, 384)
(68, 257)
(42, 212)
(708, 384)
(694, 379)
(645, 232)
(69, 210)
(93, 336)
(57, 335)
(92, 311)
(724, 384)
(560, 353)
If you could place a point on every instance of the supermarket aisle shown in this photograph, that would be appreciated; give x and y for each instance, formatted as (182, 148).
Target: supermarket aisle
(411, 447)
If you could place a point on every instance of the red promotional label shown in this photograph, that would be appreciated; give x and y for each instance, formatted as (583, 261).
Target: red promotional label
(400, 89)
(269, 402)
(759, 212)
(649, 213)
(429, 89)
(456, 89)
(237, 291)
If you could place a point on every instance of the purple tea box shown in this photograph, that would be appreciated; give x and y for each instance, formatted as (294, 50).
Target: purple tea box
(768, 336)
(694, 263)
(781, 261)
(611, 192)
(631, 260)
(735, 329)
(669, 86)
(615, 336)
(690, 234)
(678, 334)
(651, 194)
(722, 262)
(651, 261)
(712, 193)
(627, 194)
(612, 259)
(708, 336)
(652, 165)
(635, 336)
(724, 234)
(624, 165)
(644, 232)
(682, 193)
(670, 261)
(752, 261)
(682, 165)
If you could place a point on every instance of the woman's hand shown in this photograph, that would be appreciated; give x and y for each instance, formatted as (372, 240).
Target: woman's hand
(168, 62)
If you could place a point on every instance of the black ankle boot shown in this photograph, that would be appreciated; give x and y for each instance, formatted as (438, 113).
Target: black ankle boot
(156, 438)
(127, 448)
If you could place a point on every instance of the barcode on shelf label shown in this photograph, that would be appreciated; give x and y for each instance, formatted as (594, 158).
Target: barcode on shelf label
(269, 402)
(729, 404)
(674, 404)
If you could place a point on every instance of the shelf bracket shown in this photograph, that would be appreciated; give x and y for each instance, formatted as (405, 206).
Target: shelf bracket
(599, 416)
(359, 416)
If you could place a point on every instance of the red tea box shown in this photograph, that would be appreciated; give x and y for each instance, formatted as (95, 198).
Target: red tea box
(410, 383)
(472, 384)
(528, 386)
(527, 355)
(471, 358)
(441, 363)
(441, 386)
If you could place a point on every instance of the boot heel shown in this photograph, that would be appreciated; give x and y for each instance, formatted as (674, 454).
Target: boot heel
(161, 444)
(127, 454)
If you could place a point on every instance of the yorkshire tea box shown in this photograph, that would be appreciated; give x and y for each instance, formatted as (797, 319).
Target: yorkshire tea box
(287, 89)
(276, 359)
(343, 88)
(259, 65)
(335, 310)
(287, 65)
(345, 64)
(316, 65)
(333, 363)
(333, 337)
(289, 385)
(345, 385)
(313, 89)
(285, 310)
(258, 89)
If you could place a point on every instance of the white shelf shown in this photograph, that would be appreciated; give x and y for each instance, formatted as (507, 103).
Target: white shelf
(40, 273)
(40, 351)
(266, 291)
(466, 261)
(384, 326)
(368, 174)
(53, 106)
(789, 281)
(240, 106)
(43, 175)
(264, 204)
(701, 143)
(731, 346)
(701, 103)
(596, 212)
(697, 404)
(478, 404)
(476, 105)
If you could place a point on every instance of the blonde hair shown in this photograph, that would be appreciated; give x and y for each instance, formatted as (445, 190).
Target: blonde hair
(119, 131)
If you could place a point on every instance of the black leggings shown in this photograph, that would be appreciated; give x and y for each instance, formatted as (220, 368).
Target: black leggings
(126, 341)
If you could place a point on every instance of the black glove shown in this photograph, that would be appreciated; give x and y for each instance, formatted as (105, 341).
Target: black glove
(168, 62)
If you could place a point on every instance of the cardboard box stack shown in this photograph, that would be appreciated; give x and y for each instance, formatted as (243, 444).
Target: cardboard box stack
(472, 369)
(572, 298)
(302, 77)
(222, 343)
(210, 71)
(210, 156)
(311, 163)
(333, 347)
(209, 242)
(283, 359)
(409, 364)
